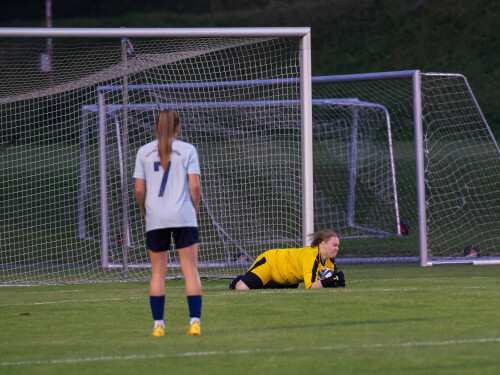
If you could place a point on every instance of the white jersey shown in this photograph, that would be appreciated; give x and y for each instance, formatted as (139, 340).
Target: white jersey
(168, 199)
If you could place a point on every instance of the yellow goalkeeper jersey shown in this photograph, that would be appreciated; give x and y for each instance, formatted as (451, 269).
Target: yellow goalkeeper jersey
(290, 266)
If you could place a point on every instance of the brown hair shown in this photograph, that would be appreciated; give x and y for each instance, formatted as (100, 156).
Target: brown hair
(165, 126)
(324, 235)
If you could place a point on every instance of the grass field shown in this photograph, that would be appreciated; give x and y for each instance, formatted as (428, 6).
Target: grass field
(390, 319)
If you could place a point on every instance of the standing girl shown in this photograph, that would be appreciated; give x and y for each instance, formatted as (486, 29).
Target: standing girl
(167, 189)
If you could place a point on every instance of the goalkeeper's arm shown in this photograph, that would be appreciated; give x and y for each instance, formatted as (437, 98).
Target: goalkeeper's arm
(337, 280)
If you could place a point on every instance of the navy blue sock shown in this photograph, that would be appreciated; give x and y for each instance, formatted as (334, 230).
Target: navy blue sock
(157, 306)
(194, 304)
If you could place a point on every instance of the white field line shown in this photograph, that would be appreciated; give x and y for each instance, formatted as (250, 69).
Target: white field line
(248, 351)
(420, 280)
(19, 292)
(43, 292)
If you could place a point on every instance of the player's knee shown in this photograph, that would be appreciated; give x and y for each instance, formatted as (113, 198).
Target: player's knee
(159, 273)
(251, 281)
(240, 285)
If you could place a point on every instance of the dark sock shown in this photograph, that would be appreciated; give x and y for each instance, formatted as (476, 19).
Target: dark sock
(194, 305)
(157, 306)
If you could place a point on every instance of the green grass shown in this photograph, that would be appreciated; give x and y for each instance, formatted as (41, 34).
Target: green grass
(390, 319)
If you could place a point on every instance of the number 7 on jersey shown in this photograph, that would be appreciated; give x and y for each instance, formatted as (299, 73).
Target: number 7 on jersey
(165, 177)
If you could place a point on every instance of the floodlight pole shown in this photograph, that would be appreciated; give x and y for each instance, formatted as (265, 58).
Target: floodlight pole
(48, 23)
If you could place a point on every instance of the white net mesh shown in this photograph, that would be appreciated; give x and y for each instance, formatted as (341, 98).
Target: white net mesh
(248, 162)
(70, 136)
(250, 170)
(462, 168)
(354, 176)
(462, 171)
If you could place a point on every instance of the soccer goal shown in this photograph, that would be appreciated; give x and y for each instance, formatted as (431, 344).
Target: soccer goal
(352, 143)
(402, 164)
(68, 212)
(447, 168)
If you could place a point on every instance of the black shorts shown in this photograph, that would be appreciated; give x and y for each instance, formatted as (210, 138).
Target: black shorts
(160, 239)
(252, 281)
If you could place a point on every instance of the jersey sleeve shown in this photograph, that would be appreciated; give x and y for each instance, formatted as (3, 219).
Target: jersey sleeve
(139, 171)
(193, 162)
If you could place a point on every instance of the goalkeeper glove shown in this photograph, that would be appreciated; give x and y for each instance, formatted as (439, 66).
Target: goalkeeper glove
(335, 281)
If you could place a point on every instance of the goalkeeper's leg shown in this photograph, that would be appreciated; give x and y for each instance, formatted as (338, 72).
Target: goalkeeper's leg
(249, 281)
(256, 277)
(232, 284)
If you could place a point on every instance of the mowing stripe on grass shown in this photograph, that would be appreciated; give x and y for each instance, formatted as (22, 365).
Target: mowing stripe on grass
(71, 301)
(346, 290)
(266, 291)
(249, 351)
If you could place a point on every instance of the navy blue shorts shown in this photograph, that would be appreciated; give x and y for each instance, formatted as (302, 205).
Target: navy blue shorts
(160, 239)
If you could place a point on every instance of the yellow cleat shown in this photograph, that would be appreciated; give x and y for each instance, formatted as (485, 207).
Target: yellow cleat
(194, 329)
(159, 331)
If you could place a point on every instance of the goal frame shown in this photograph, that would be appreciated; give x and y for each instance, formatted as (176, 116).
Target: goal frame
(306, 121)
(414, 75)
(103, 111)
(304, 52)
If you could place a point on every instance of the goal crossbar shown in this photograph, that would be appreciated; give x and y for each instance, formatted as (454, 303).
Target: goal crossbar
(42, 32)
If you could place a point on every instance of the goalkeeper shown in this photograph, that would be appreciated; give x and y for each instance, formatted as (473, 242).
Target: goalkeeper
(286, 268)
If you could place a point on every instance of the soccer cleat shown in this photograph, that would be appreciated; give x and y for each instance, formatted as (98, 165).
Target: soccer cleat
(158, 331)
(194, 329)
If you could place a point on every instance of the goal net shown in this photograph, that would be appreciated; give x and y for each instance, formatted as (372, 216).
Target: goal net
(458, 202)
(354, 182)
(354, 173)
(399, 171)
(72, 122)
